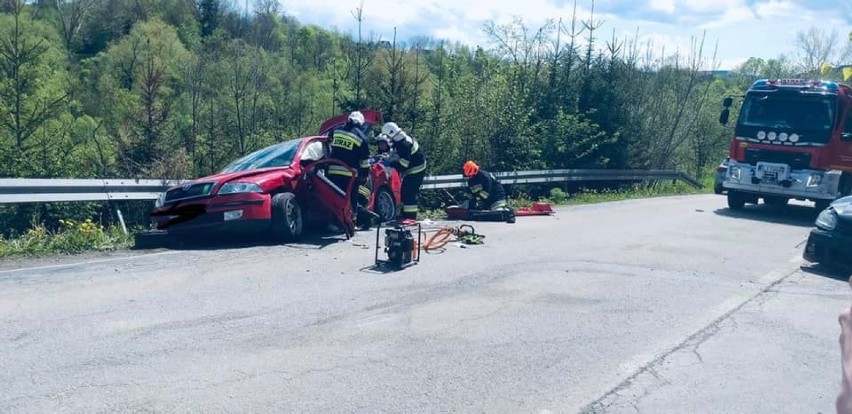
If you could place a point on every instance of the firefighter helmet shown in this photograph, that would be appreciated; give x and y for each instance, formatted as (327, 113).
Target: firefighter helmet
(356, 118)
(392, 130)
(470, 169)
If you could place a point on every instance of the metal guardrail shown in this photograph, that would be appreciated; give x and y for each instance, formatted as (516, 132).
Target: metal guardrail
(29, 190)
(558, 176)
(43, 190)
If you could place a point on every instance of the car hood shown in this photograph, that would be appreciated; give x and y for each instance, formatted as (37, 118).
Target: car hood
(259, 176)
(843, 207)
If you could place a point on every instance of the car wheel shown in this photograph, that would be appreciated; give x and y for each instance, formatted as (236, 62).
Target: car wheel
(718, 189)
(385, 205)
(286, 217)
(735, 201)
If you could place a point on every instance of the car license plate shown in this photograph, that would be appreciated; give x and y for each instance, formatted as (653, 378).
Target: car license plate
(771, 172)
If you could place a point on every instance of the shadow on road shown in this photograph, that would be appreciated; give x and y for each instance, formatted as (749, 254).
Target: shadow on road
(313, 240)
(835, 273)
(793, 214)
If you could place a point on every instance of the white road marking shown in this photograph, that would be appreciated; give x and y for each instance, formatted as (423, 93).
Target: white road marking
(88, 262)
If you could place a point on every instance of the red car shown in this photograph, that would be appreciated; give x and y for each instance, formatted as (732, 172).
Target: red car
(279, 190)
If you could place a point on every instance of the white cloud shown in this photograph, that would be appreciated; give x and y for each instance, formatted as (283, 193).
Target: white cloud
(705, 6)
(667, 6)
(773, 9)
(734, 15)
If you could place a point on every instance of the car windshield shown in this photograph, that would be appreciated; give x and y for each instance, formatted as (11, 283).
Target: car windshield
(793, 111)
(278, 155)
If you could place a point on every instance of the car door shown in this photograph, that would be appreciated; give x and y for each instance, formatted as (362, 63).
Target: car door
(323, 193)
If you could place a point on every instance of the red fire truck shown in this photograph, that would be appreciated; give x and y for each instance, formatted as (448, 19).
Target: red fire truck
(792, 140)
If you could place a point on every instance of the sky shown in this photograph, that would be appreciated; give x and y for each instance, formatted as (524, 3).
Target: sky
(736, 29)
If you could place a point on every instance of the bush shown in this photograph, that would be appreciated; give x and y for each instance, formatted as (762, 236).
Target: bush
(557, 196)
(71, 237)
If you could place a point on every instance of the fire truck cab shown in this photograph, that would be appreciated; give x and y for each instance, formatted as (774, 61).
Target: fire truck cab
(792, 140)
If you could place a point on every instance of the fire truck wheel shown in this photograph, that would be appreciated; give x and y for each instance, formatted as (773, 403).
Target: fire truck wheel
(735, 201)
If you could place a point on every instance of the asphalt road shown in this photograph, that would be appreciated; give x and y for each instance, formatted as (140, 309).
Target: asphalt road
(662, 305)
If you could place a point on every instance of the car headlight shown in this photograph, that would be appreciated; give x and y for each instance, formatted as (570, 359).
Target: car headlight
(161, 199)
(827, 220)
(238, 187)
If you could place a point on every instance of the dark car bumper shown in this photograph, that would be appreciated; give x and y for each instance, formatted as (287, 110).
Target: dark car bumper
(235, 213)
(830, 248)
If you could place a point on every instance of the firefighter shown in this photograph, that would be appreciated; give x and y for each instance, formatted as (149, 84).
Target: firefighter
(349, 145)
(383, 144)
(487, 192)
(407, 157)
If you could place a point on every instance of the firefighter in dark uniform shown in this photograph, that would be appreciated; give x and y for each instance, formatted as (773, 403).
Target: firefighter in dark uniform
(488, 193)
(407, 157)
(349, 145)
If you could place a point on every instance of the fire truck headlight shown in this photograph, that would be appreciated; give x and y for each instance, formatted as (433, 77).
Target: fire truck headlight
(814, 180)
(827, 220)
(736, 173)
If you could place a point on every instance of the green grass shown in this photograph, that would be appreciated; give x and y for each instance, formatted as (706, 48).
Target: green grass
(77, 237)
(558, 197)
(71, 237)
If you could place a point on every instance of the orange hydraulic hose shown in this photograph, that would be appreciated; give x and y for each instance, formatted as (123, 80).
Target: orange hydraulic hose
(440, 239)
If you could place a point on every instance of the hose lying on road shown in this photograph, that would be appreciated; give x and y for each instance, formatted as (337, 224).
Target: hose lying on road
(444, 236)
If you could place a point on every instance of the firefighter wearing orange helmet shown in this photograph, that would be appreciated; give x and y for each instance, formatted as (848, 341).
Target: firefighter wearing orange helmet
(487, 192)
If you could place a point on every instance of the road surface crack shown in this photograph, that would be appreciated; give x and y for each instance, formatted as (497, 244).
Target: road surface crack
(701, 339)
(601, 404)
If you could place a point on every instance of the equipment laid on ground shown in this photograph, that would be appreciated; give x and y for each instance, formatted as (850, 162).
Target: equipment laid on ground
(465, 234)
(537, 209)
(401, 246)
(460, 212)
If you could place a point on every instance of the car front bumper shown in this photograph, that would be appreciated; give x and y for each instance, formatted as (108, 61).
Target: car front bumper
(827, 247)
(233, 213)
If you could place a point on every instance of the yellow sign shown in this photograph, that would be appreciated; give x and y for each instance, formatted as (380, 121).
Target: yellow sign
(825, 69)
(847, 73)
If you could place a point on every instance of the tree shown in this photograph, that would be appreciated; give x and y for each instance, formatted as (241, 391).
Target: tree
(72, 14)
(816, 47)
(32, 85)
(140, 85)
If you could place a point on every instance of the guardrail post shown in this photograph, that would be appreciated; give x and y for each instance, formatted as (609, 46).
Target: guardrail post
(114, 206)
(121, 219)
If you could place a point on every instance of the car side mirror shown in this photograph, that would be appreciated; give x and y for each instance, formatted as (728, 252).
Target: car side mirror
(723, 117)
(846, 136)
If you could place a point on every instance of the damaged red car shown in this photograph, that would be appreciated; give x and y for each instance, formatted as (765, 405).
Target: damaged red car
(280, 190)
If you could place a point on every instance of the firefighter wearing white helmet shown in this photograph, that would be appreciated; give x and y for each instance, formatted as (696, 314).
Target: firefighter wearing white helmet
(409, 160)
(349, 145)
(384, 144)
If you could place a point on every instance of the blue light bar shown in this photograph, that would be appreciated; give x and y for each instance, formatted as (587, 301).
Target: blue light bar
(810, 84)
